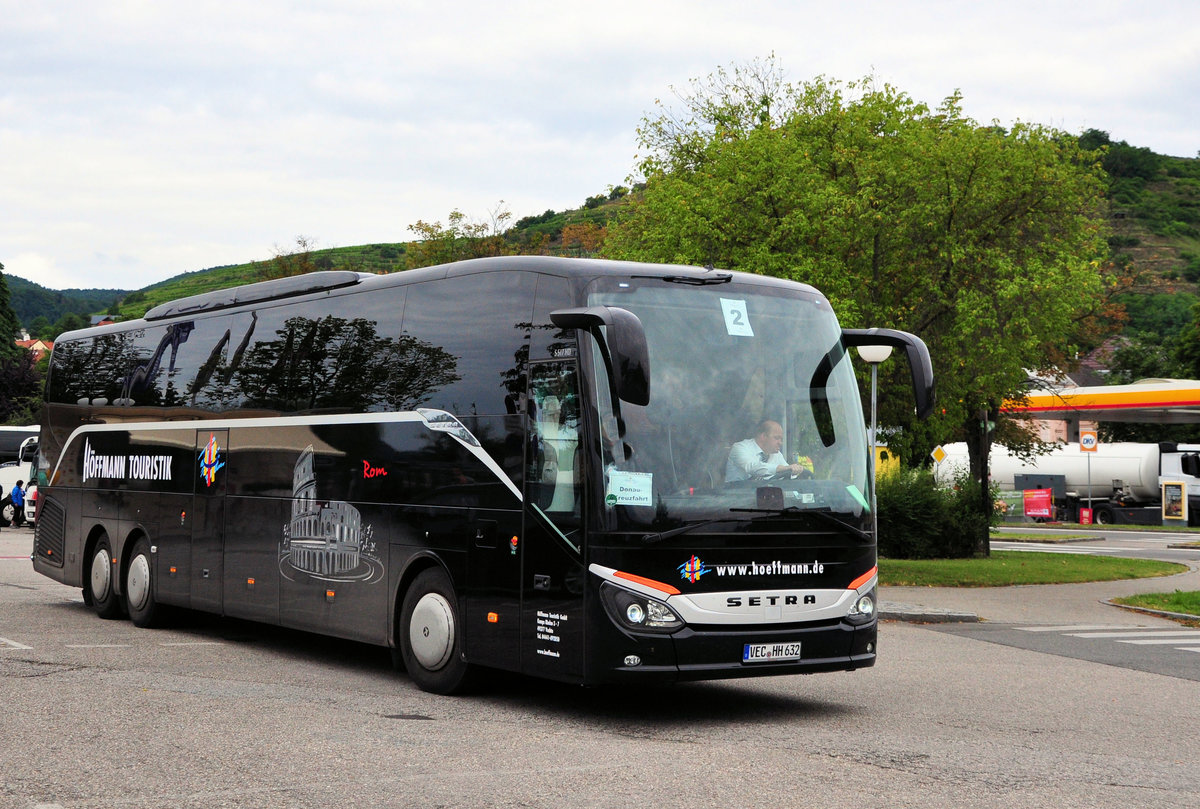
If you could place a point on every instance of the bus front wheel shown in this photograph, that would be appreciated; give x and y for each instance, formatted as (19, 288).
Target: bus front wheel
(100, 581)
(430, 635)
(144, 610)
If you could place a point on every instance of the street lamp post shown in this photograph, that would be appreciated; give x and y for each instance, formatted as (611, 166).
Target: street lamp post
(874, 355)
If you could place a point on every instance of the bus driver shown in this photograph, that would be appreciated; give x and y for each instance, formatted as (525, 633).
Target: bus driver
(761, 456)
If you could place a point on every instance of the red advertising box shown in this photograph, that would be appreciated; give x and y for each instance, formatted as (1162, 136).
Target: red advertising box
(1039, 503)
(1085, 516)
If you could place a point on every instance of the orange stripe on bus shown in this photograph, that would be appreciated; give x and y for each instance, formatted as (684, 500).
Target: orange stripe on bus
(863, 579)
(656, 585)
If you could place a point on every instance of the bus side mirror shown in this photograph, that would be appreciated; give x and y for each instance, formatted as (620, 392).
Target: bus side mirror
(28, 450)
(623, 344)
(916, 351)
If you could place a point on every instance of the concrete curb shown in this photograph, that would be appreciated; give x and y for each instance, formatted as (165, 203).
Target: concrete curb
(891, 611)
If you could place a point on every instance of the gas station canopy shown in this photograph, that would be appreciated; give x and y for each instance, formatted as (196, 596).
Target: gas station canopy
(1148, 401)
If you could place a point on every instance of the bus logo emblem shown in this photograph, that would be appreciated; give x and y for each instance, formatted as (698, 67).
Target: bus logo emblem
(693, 569)
(211, 460)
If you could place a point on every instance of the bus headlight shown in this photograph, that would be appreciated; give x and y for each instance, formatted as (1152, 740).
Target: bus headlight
(635, 614)
(638, 612)
(862, 611)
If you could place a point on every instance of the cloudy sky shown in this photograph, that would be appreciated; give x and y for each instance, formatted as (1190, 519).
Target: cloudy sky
(142, 139)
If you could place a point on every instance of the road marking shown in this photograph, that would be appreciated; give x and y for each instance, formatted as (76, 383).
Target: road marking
(1076, 628)
(194, 643)
(5, 643)
(1041, 548)
(1145, 633)
(1181, 638)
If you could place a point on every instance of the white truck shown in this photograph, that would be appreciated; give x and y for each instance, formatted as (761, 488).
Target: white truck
(1125, 478)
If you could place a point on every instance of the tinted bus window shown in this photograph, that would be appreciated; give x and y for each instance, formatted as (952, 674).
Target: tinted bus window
(481, 323)
(331, 355)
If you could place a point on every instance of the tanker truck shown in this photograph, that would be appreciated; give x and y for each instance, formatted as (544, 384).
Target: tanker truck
(1125, 477)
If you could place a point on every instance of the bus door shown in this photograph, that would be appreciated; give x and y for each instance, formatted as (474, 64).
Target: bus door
(208, 520)
(553, 567)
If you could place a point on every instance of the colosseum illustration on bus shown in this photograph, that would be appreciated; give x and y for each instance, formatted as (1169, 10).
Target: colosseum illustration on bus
(325, 539)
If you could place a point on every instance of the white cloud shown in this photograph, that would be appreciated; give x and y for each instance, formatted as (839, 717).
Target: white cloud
(139, 140)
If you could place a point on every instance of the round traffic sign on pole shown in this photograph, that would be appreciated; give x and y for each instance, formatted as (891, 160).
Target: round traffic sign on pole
(1089, 441)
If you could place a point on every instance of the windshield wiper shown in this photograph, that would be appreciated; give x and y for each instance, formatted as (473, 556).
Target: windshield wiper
(699, 280)
(709, 277)
(824, 513)
(683, 529)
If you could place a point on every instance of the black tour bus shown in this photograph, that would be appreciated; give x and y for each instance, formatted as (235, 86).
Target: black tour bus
(509, 463)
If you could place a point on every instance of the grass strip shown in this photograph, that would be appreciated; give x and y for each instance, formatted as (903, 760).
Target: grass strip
(1007, 568)
(1182, 601)
(1043, 537)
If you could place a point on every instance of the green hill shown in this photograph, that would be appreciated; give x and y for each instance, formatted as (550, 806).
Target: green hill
(533, 234)
(374, 258)
(1155, 219)
(30, 300)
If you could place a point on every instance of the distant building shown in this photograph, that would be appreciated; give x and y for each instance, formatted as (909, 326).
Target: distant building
(39, 348)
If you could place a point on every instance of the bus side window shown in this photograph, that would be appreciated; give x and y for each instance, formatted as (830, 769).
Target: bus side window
(553, 478)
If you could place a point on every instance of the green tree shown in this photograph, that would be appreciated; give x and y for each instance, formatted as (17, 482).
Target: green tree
(19, 380)
(287, 262)
(1187, 346)
(68, 322)
(10, 327)
(20, 391)
(41, 328)
(459, 239)
(987, 243)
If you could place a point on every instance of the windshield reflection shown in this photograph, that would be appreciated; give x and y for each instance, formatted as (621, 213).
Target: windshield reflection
(754, 411)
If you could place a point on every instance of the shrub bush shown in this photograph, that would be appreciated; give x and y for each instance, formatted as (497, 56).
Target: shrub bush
(920, 520)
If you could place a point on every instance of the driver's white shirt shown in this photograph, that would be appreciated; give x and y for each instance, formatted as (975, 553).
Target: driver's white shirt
(747, 460)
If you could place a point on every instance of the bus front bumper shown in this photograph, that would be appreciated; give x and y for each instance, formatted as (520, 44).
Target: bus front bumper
(702, 653)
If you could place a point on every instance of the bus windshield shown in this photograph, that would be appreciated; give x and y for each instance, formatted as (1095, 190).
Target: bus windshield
(754, 412)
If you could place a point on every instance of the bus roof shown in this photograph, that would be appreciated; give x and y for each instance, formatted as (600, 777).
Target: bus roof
(338, 281)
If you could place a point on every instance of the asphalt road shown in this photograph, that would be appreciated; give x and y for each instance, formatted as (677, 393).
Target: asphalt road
(220, 713)
(1165, 545)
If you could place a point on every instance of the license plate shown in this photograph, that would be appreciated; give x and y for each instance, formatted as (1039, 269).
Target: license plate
(770, 652)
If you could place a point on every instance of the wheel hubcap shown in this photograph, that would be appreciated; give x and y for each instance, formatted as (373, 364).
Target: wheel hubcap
(101, 575)
(431, 631)
(137, 585)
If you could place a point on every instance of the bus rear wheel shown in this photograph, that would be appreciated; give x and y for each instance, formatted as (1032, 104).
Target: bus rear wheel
(430, 635)
(143, 609)
(100, 581)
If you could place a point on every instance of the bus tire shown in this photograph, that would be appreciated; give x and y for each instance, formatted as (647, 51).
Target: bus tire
(101, 582)
(430, 635)
(7, 512)
(143, 609)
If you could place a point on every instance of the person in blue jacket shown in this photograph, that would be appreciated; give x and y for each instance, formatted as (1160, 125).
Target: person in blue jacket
(17, 495)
